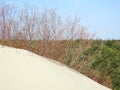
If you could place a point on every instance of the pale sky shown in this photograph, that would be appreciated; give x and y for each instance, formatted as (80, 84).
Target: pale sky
(101, 16)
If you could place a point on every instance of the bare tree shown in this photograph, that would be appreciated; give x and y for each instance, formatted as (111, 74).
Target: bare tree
(7, 20)
(46, 26)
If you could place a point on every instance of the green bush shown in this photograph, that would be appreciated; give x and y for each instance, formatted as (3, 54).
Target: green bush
(116, 79)
(113, 44)
(108, 62)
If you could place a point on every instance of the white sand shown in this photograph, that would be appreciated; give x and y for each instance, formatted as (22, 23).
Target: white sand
(23, 70)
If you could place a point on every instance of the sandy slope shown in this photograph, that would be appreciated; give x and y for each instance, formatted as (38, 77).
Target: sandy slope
(22, 70)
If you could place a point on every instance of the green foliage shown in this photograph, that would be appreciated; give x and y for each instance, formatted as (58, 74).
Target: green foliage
(106, 59)
(116, 79)
(113, 44)
(108, 62)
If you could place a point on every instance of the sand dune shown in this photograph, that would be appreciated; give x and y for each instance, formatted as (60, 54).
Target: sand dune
(23, 70)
